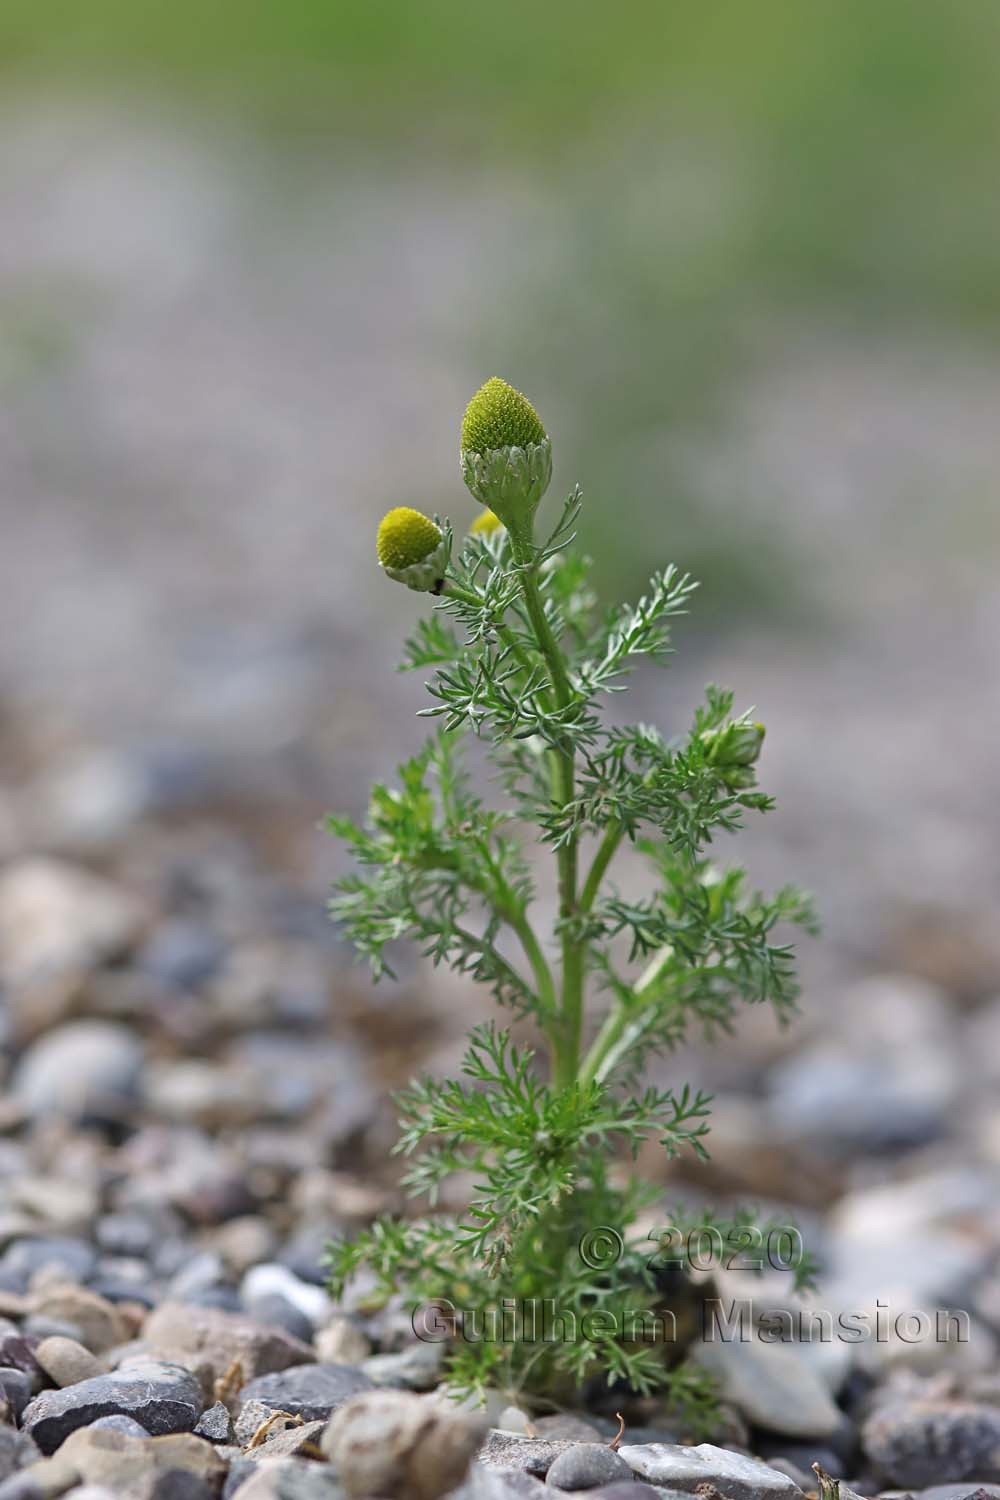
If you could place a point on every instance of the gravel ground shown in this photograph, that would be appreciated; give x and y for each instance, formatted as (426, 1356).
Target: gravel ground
(196, 1076)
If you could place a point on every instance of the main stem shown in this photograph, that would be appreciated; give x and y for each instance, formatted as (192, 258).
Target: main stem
(569, 1030)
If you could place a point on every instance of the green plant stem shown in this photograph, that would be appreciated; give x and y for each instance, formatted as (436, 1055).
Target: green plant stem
(567, 1051)
(625, 1012)
(606, 851)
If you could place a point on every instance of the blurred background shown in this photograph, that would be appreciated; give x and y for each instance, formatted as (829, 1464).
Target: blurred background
(253, 262)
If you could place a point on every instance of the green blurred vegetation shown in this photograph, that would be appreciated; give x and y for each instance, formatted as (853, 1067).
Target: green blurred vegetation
(702, 168)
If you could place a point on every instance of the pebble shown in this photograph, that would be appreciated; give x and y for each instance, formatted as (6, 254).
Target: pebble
(289, 1479)
(342, 1342)
(15, 1389)
(291, 1441)
(119, 1423)
(163, 1398)
(17, 1449)
(57, 916)
(274, 1280)
(308, 1391)
(84, 1070)
(675, 1467)
(20, 1262)
(130, 1465)
(99, 1324)
(214, 1341)
(415, 1369)
(215, 1424)
(773, 1385)
(66, 1362)
(397, 1443)
(586, 1466)
(924, 1443)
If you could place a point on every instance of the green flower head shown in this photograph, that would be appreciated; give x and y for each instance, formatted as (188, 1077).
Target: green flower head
(412, 549)
(499, 417)
(506, 456)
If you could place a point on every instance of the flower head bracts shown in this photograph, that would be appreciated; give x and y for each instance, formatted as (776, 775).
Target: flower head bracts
(505, 455)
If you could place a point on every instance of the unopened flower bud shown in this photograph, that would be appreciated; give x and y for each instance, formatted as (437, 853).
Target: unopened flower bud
(734, 750)
(412, 549)
(506, 456)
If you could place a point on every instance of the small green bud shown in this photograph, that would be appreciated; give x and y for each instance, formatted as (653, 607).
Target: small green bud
(734, 750)
(505, 455)
(412, 549)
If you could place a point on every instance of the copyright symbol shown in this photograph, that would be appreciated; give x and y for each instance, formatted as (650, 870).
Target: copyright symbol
(601, 1247)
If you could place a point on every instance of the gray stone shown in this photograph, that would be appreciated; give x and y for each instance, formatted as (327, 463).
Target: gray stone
(55, 916)
(291, 1442)
(505, 1450)
(162, 1398)
(119, 1423)
(275, 1312)
(15, 1389)
(23, 1259)
(98, 1323)
(397, 1443)
(685, 1468)
(274, 1280)
(215, 1424)
(66, 1362)
(215, 1341)
(504, 1484)
(289, 1479)
(342, 1342)
(565, 1425)
(309, 1391)
(923, 1443)
(84, 1070)
(17, 1450)
(586, 1466)
(773, 1385)
(417, 1368)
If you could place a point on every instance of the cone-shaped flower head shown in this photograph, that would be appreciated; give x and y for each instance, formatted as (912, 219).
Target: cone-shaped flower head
(486, 524)
(412, 549)
(505, 454)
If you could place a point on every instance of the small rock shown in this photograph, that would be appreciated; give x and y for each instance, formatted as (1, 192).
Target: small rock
(163, 1398)
(308, 1391)
(84, 1070)
(503, 1450)
(119, 1423)
(685, 1468)
(289, 1479)
(290, 1442)
(66, 1362)
(17, 1450)
(100, 1324)
(130, 1465)
(586, 1466)
(54, 916)
(342, 1342)
(23, 1260)
(565, 1425)
(181, 954)
(773, 1385)
(415, 1369)
(15, 1389)
(215, 1424)
(925, 1442)
(396, 1443)
(274, 1280)
(214, 1342)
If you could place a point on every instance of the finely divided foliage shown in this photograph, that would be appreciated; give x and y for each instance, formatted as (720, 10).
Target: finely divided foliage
(521, 659)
